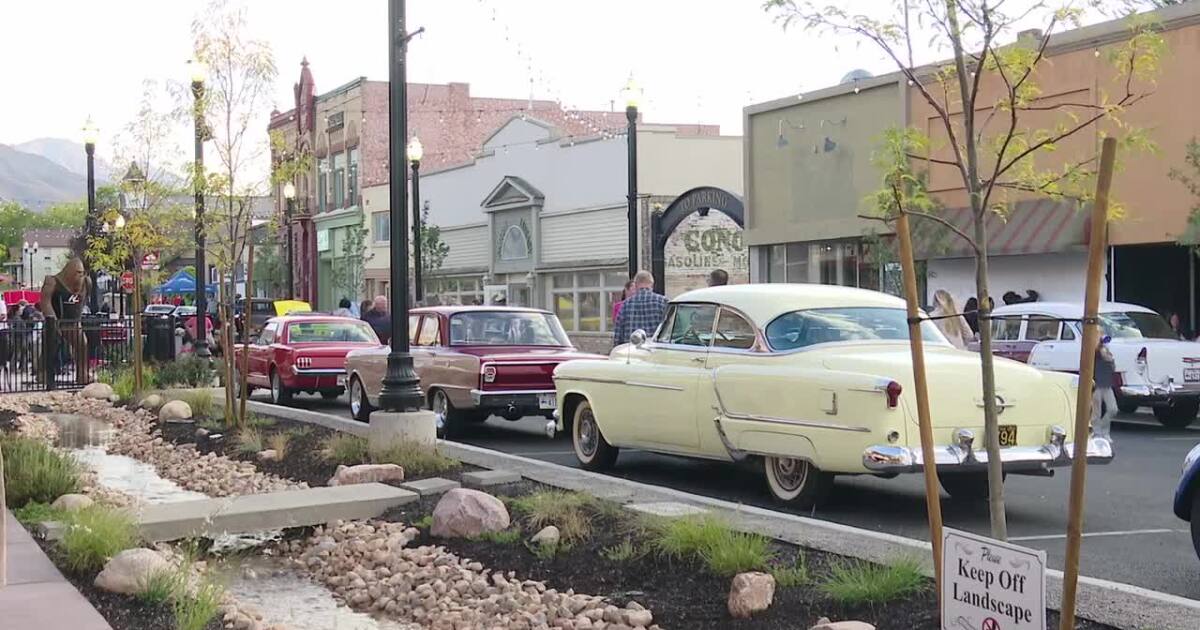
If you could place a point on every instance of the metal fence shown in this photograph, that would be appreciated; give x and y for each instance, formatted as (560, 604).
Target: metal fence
(66, 354)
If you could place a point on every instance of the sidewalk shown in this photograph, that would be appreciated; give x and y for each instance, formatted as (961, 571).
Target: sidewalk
(37, 595)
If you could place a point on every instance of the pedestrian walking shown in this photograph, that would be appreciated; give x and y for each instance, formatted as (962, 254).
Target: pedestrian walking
(343, 309)
(625, 295)
(948, 320)
(1104, 401)
(380, 319)
(364, 307)
(644, 310)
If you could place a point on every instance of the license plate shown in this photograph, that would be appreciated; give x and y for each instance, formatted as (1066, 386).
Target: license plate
(1191, 375)
(547, 401)
(1008, 435)
(341, 380)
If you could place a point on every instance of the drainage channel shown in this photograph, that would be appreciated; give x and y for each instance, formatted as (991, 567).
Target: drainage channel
(277, 591)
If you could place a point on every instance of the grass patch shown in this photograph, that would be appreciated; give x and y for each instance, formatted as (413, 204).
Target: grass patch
(417, 460)
(94, 535)
(425, 522)
(34, 471)
(249, 441)
(723, 550)
(120, 379)
(571, 512)
(194, 610)
(36, 512)
(624, 551)
(258, 422)
(346, 449)
(184, 372)
(502, 537)
(201, 401)
(795, 575)
(164, 586)
(854, 582)
(279, 442)
(212, 425)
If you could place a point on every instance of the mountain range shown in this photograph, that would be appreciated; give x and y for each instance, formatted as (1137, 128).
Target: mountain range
(42, 172)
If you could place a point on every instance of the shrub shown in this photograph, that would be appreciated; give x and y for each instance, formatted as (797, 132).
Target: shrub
(121, 380)
(193, 611)
(94, 535)
(278, 442)
(343, 448)
(571, 512)
(723, 550)
(184, 372)
(36, 512)
(502, 537)
(795, 575)
(34, 471)
(249, 440)
(425, 522)
(621, 552)
(258, 422)
(417, 460)
(855, 582)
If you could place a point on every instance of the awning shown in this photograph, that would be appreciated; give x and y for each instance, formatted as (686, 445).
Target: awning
(1035, 226)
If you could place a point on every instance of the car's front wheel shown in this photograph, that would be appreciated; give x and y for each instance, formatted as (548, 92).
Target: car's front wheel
(1177, 414)
(360, 405)
(1127, 405)
(1196, 519)
(972, 486)
(796, 481)
(591, 449)
(449, 420)
(280, 394)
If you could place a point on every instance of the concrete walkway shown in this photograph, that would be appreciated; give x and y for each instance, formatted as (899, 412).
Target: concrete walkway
(37, 595)
(275, 510)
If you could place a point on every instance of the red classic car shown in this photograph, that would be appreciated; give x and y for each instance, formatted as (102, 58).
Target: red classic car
(473, 362)
(304, 353)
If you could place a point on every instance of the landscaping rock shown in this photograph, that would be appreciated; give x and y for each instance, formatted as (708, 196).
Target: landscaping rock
(114, 399)
(72, 502)
(366, 473)
(201, 434)
(825, 624)
(268, 455)
(151, 402)
(97, 391)
(127, 572)
(548, 537)
(463, 513)
(175, 411)
(750, 593)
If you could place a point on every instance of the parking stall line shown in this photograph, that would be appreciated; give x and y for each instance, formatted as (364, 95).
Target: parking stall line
(1099, 534)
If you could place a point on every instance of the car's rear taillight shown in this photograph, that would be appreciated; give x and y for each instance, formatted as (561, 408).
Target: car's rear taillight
(1141, 361)
(489, 374)
(893, 391)
(304, 362)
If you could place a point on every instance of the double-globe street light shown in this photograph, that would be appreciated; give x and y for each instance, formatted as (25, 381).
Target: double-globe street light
(289, 195)
(31, 251)
(199, 72)
(415, 153)
(632, 93)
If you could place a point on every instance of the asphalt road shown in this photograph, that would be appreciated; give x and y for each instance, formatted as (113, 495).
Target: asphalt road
(1131, 534)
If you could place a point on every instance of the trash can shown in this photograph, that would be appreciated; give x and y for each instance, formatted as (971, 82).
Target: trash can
(160, 337)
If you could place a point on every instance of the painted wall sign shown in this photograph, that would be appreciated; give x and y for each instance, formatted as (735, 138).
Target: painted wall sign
(991, 585)
(701, 244)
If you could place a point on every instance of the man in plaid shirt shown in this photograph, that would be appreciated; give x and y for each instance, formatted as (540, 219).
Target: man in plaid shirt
(644, 310)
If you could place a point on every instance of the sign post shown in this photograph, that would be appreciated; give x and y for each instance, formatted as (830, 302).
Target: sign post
(991, 585)
(127, 281)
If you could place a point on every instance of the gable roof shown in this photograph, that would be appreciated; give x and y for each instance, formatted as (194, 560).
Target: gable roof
(511, 192)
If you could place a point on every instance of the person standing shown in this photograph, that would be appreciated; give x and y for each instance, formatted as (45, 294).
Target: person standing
(380, 319)
(948, 320)
(343, 309)
(626, 292)
(644, 310)
(718, 278)
(62, 299)
(1104, 401)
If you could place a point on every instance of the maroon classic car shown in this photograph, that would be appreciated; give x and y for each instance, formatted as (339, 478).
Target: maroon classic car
(473, 362)
(304, 353)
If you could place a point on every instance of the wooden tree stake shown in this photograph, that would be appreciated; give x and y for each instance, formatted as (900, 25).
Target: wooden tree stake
(932, 498)
(1087, 372)
(245, 371)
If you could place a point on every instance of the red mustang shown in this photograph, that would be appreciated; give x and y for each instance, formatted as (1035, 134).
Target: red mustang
(473, 362)
(304, 353)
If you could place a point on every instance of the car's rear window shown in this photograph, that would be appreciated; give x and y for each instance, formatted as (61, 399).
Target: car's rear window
(813, 326)
(312, 332)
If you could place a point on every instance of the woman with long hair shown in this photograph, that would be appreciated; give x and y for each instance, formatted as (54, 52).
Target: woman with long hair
(616, 307)
(949, 320)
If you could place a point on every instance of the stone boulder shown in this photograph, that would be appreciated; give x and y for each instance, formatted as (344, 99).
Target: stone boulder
(72, 502)
(464, 513)
(825, 624)
(97, 391)
(366, 473)
(128, 572)
(151, 402)
(750, 593)
(269, 455)
(175, 411)
(547, 537)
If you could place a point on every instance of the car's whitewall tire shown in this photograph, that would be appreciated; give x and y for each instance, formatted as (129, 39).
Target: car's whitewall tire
(591, 448)
(796, 481)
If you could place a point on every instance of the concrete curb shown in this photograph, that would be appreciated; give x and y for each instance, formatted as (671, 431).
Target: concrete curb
(1113, 603)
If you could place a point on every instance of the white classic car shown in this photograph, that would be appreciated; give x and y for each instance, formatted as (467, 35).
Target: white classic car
(810, 381)
(1153, 366)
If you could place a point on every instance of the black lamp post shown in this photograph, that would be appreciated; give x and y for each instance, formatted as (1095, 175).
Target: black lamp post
(632, 93)
(89, 147)
(31, 251)
(289, 194)
(199, 73)
(401, 390)
(415, 153)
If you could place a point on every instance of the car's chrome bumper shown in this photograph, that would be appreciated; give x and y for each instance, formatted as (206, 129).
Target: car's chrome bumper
(1158, 390)
(901, 459)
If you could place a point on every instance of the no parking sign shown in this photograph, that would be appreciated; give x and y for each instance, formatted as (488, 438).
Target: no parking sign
(991, 585)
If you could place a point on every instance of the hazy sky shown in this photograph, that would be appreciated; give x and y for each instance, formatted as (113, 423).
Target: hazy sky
(697, 60)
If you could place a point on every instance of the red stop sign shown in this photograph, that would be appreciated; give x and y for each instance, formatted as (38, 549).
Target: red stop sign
(127, 281)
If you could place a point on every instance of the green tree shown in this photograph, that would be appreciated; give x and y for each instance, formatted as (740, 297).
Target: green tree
(433, 249)
(349, 274)
(1190, 178)
(998, 145)
(270, 266)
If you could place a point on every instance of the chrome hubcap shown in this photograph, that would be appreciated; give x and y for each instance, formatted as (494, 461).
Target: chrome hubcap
(790, 473)
(276, 388)
(588, 433)
(355, 397)
(440, 404)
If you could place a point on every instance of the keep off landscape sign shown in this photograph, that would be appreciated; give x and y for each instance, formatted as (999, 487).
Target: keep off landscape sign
(991, 585)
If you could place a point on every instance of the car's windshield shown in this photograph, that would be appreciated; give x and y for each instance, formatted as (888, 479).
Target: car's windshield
(506, 328)
(160, 308)
(809, 327)
(1136, 325)
(351, 332)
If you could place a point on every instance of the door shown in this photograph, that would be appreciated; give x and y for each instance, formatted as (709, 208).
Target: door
(259, 351)
(732, 344)
(665, 381)
(425, 345)
(1058, 352)
(1006, 338)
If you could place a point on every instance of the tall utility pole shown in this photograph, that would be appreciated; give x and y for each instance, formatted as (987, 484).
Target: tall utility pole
(631, 93)
(201, 343)
(89, 147)
(401, 390)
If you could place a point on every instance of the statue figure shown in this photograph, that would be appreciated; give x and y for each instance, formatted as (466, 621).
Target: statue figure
(63, 297)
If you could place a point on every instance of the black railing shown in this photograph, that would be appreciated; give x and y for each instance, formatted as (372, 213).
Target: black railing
(66, 354)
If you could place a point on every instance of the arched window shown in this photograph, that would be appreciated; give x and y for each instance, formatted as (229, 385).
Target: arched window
(514, 245)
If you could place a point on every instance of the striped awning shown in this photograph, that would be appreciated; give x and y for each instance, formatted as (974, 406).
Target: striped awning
(1035, 226)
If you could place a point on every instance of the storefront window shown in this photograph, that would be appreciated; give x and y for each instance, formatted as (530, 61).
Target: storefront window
(583, 301)
(353, 177)
(381, 226)
(797, 262)
(824, 262)
(454, 291)
(339, 180)
(776, 269)
(322, 184)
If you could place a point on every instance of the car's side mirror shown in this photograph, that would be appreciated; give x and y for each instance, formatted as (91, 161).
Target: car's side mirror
(638, 338)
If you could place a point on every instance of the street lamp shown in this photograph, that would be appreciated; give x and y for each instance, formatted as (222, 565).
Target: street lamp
(89, 147)
(415, 153)
(199, 72)
(289, 195)
(401, 391)
(30, 250)
(632, 93)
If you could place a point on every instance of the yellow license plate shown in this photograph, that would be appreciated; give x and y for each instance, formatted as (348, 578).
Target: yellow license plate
(1008, 435)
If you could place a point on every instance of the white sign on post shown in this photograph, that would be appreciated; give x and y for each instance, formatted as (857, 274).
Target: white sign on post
(991, 585)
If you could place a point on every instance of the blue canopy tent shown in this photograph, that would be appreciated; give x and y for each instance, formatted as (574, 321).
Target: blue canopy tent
(181, 283)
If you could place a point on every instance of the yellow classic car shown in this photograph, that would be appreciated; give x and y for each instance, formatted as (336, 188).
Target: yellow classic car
(810, 381)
